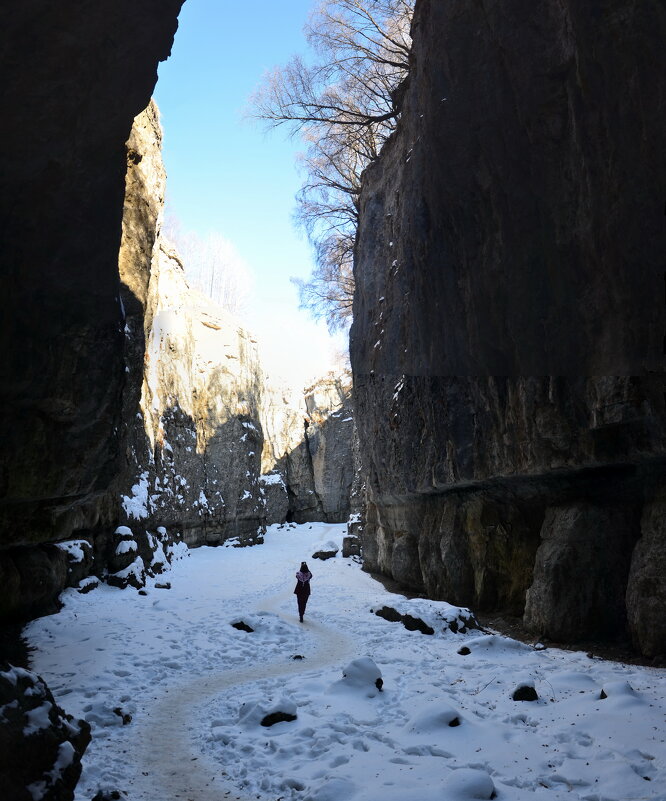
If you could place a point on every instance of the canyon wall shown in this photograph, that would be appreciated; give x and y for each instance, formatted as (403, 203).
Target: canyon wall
(73, 81)
(195, 418)
(308, 444)
(507, 344)
(194, 439)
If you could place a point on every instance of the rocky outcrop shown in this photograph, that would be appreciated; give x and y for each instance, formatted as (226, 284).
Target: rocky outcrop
(40, 746)
(209, 426)
(507, 359)
(196, 449)
(308, 444)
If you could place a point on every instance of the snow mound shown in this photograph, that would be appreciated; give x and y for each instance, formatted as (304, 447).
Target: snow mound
(360, 675)
(433, 718)
(255, 714)
(468, 783)
(496, 644)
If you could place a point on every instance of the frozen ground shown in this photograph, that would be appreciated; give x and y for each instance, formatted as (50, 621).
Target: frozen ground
(197, 690)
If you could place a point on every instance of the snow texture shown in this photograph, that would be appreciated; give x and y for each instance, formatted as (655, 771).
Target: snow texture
(75, 549)
(272, 478)
(443, 726)
(136, 504)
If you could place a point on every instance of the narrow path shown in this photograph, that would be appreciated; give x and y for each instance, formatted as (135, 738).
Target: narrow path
(164, 746)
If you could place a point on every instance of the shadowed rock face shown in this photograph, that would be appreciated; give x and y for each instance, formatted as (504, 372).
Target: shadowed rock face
(509, 315)
(73, 80)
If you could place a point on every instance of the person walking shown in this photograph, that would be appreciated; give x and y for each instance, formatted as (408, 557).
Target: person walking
(302, 590)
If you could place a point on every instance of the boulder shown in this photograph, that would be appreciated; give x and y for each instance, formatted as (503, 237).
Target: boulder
(351, 546)
(40, 745)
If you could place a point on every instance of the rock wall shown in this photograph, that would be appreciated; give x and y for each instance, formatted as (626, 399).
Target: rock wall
(508, 319)
(195, 454)
(72, 84)
(209, 424)
(309, 445)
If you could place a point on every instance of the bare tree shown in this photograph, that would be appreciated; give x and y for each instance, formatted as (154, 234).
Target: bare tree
(212, 265)
(344, 105)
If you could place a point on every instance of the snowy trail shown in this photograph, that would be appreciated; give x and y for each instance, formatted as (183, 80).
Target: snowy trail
(165, 743)
(445, 725)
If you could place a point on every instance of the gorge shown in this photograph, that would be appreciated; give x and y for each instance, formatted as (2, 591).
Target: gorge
(507, 345)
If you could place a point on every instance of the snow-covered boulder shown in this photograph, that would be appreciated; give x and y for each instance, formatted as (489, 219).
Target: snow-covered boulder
(123, 549)
(40, 745)
(428, 617)
(433, 718)
(134, 555)
(262, 713)
(525, 691)
(327, 551)
(360, 675)
(468, 784)
(80, 559)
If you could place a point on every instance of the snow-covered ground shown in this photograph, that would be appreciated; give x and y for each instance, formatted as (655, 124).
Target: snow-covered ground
(444, 725)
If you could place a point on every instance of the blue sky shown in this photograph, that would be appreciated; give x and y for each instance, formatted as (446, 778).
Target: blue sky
(229, 175)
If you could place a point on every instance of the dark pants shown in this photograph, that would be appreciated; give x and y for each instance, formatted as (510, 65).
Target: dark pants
(302, 598)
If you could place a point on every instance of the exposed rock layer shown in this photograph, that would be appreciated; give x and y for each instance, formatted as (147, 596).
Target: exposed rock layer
(510, 248)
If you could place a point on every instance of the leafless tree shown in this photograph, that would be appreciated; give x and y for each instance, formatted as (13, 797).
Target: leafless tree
(344, 105)
(211, 265)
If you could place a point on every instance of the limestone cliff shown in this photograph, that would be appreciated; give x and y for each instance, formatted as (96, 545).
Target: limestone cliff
(209, 424)
(509, 317)
(309, 445)
(195, 456)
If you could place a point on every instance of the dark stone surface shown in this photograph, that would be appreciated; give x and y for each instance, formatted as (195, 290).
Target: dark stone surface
(73, 81)
(277, 717)
(514, 226)
(525, 694)
(35, 734)
(507, 344)
(241, 625)
(646, 586)
(580, 572)
(324, 555)
(351, 546)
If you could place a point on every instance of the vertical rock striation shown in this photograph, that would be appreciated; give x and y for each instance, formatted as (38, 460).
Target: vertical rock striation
(509, 316)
